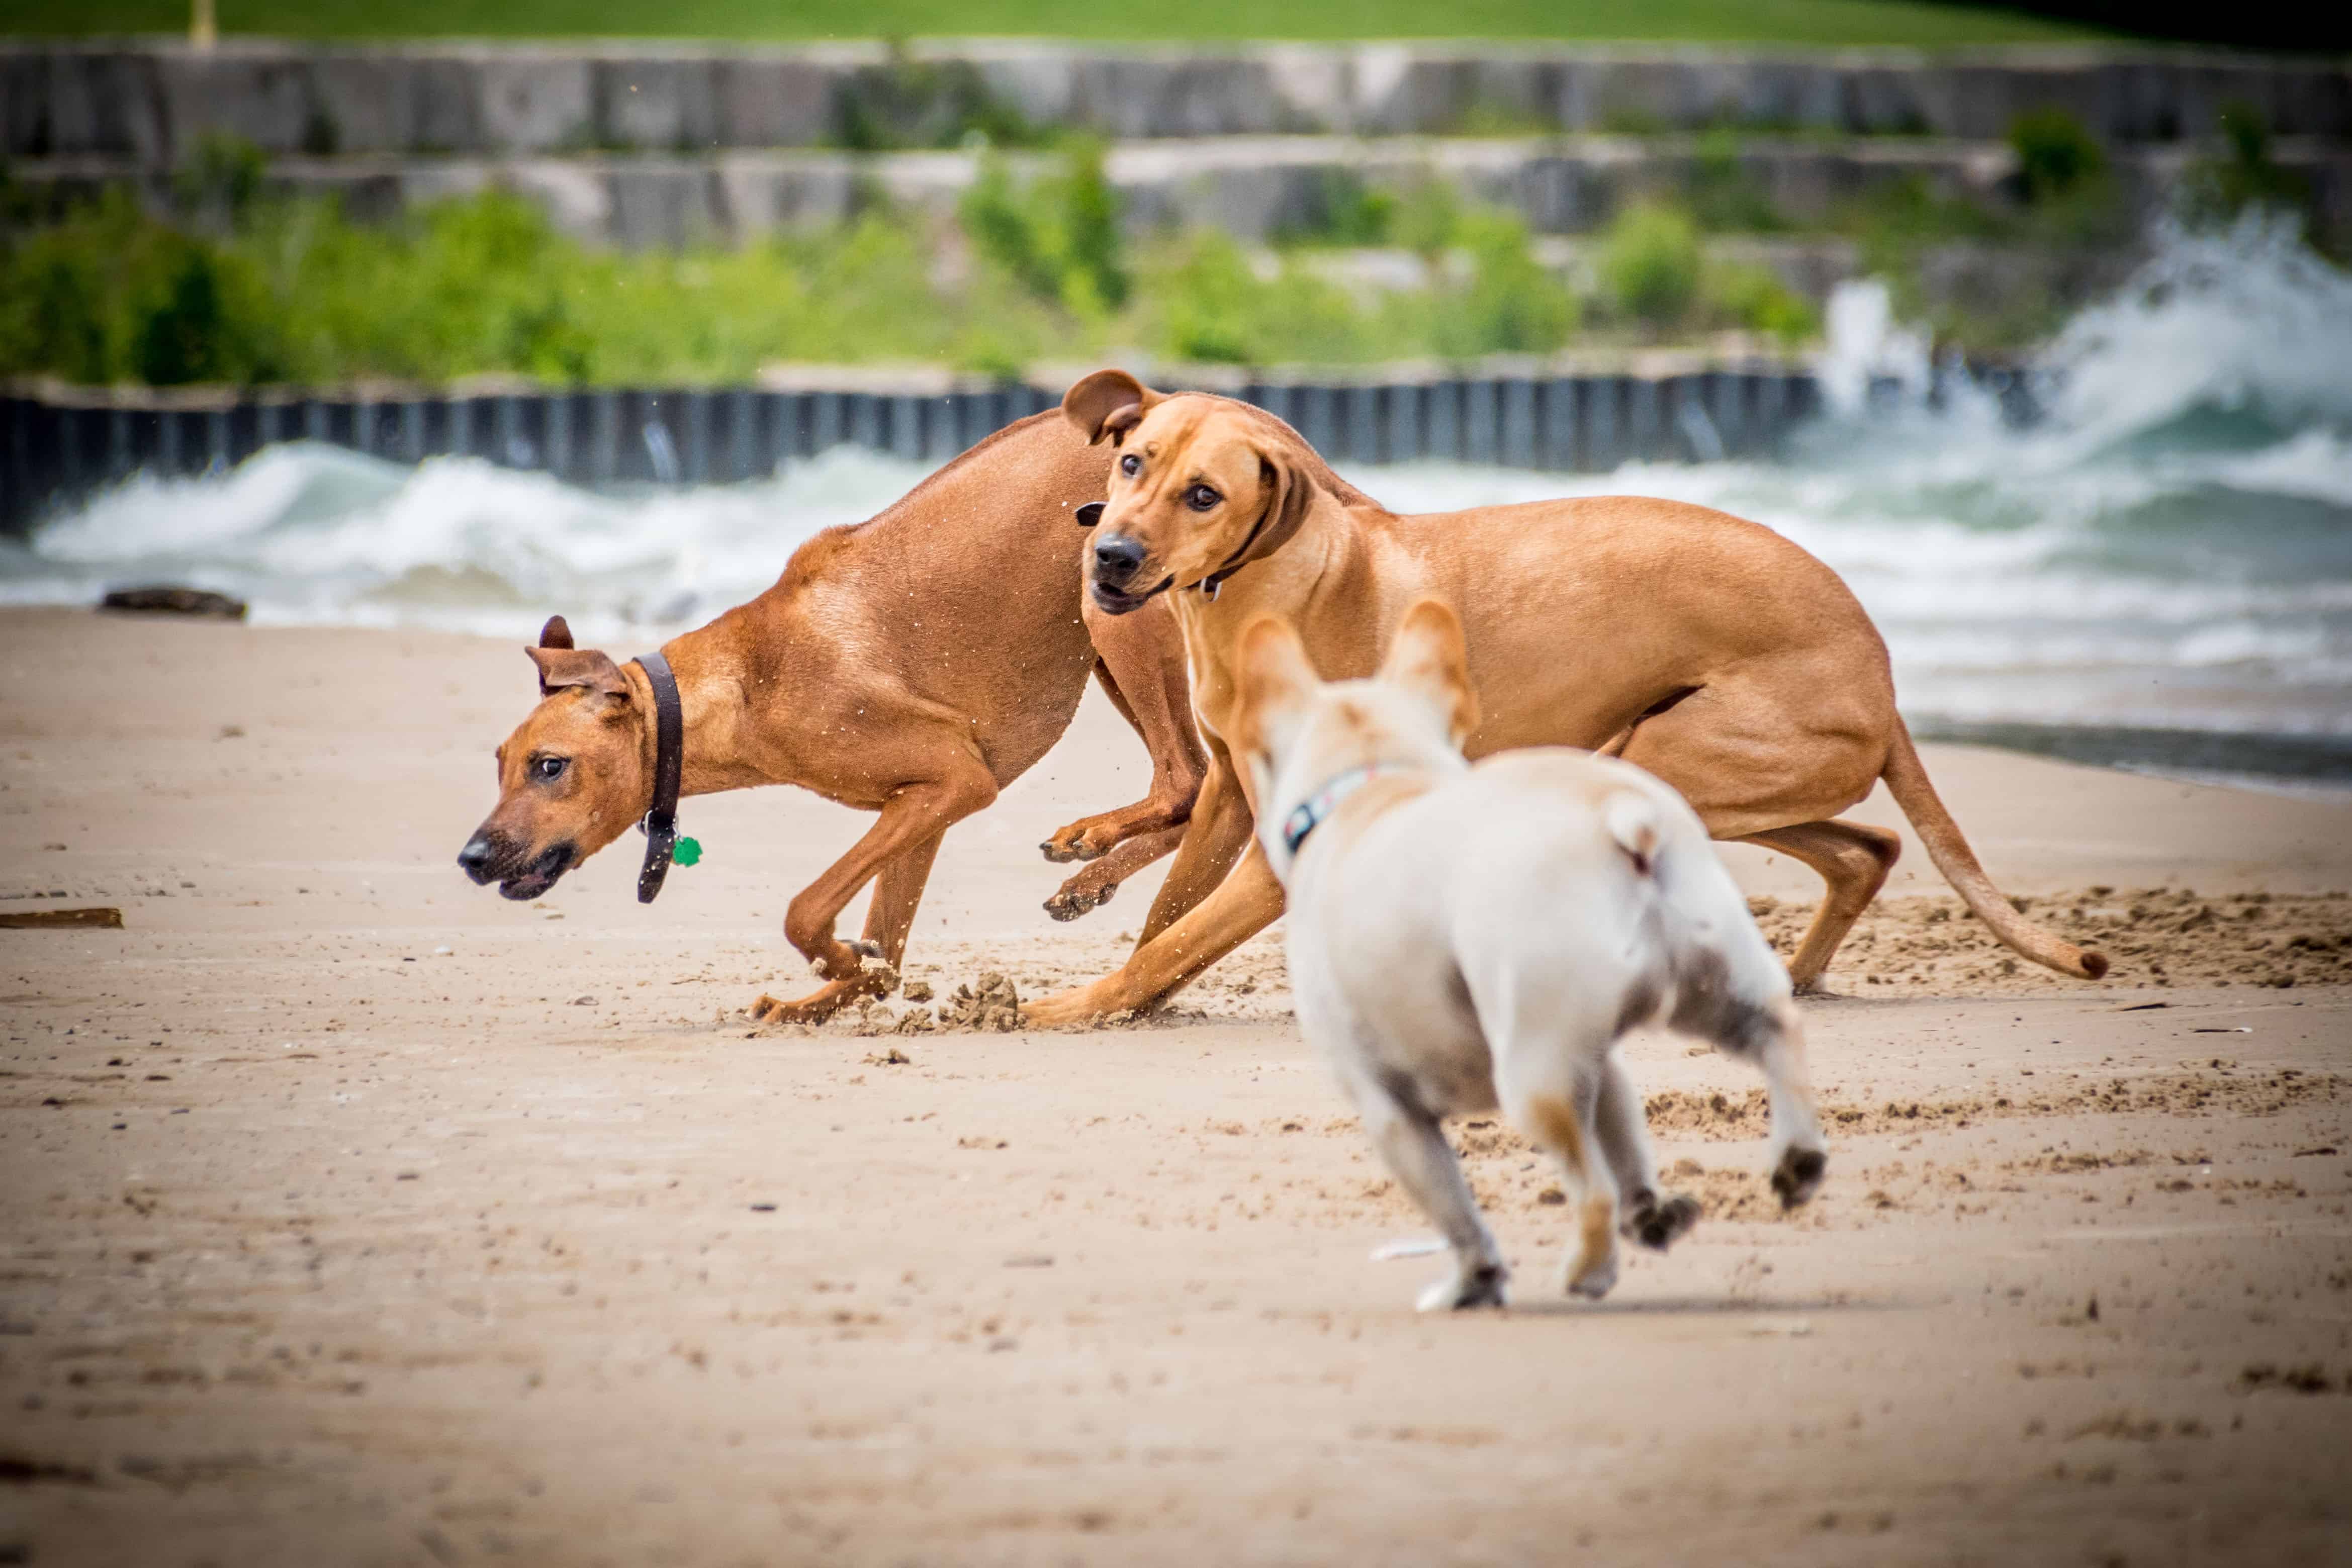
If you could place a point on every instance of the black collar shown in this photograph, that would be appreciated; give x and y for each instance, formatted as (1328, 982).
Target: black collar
(1235, 562)
(660, 823)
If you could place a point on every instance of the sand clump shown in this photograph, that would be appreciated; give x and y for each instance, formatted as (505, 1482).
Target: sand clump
(1910, 946)
(2154, 936)
(1719, 1116)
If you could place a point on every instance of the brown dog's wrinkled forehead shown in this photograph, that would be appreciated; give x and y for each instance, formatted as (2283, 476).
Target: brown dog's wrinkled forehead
(1196, 431)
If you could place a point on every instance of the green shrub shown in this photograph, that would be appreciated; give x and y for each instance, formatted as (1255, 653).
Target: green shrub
(1057, 235)
(2056, 156)
(1428, 219)
(1513, 303)
(1755, 298)
(1650, 264)
(1212, 306)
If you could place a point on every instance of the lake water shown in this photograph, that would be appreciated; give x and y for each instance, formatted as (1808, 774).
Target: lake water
(2158, 574)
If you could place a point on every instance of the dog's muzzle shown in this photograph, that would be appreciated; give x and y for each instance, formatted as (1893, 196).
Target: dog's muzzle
(489, 858)
(1116, 561)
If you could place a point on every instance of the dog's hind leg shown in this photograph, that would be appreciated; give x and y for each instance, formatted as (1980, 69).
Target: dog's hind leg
(1650, 1218)
(1770, 756)
(1853, 860)
(1560, 1116)
(1418, 1155)
(1770, 1036)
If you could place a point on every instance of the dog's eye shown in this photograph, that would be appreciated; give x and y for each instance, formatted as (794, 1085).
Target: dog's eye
(1201, 498)
(1130, 464)
(547, 769)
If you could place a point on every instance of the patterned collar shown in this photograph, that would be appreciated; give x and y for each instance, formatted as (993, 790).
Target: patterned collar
(1317, 809)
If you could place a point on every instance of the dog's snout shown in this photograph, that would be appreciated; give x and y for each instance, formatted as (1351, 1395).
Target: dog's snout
(1118, 558)
(476, 858)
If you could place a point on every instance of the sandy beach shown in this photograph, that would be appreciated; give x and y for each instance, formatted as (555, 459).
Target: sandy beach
(355, 1216)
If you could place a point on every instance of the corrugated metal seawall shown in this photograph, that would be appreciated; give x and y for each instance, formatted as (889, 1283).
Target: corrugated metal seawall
(57, 447)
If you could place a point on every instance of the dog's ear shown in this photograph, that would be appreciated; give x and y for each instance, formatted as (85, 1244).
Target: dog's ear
(556, 633)
(1274, 679)
(1107, 404)
(567, 667)
(1429, 657)
(1289, 490)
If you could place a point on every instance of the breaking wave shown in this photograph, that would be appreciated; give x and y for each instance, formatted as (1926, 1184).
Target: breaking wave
(2169, 548)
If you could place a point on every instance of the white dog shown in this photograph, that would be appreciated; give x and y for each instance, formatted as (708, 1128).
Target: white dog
(1466, 938)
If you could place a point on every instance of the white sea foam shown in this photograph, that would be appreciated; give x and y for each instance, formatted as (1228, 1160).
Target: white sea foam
(2171, 548)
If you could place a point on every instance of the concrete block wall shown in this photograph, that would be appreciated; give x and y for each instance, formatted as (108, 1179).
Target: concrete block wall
(1255, 188)
(151, 102)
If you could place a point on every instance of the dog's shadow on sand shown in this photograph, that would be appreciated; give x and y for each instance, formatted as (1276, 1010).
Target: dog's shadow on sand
(1707, 1306)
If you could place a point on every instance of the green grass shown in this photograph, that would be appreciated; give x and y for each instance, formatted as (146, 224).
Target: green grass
(1809, 22)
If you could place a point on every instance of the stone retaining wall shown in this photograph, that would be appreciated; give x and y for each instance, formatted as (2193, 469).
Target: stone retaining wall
(1255, 188)
(151, 102)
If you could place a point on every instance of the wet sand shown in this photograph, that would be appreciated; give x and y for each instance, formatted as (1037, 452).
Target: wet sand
(353, 1214)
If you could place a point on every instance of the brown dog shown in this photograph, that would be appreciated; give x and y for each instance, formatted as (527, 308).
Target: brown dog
(913, 665)
(1710, 651)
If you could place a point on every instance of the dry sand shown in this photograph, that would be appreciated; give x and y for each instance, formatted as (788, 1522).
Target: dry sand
(354, 1216)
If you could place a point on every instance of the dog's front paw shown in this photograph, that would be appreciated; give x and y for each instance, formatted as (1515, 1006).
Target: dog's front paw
(1075, 898)
(1078, 842)
(1487, 1285)
(1798, 1175)
(1656, 1222)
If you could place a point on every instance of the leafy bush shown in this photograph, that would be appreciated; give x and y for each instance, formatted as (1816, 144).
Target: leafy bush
(1513, 303)
(1755, 298)
(1650, 263)
(111, 295)
(1057, 234)
(1212, 306)
(2056, 156)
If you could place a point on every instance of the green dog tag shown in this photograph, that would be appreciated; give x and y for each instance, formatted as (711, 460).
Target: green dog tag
(686, 852)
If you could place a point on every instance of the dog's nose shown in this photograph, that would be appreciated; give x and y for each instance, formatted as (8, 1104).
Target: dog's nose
(1117, 559)
(475, 858)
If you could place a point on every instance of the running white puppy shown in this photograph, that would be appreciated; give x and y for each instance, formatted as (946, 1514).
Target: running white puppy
(1466, 938)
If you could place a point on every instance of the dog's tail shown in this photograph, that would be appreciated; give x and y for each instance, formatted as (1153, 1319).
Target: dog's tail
(1907, 779)
(1632, 819)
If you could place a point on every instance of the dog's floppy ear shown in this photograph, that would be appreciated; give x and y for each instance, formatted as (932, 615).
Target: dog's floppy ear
(568, 666)
(1290, 491)
(1107, 404)
(556, 633)
(1429, 657)
(1274, 677)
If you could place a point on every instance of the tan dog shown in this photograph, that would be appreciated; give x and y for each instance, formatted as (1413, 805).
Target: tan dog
(1469, 938)
(913, 665)
(1710, 651)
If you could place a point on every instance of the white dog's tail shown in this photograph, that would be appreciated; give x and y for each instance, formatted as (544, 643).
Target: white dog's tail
(1632, 819)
